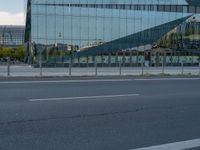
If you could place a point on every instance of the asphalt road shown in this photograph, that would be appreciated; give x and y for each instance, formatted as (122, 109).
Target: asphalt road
(98, 115)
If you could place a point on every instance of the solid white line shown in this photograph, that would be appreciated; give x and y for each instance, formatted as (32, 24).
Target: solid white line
(85, 97)
(62, 81)
(175, 146)
(167, 79)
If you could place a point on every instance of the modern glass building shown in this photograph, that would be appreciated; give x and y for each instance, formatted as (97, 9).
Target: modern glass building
(11, 36)
(88, 28)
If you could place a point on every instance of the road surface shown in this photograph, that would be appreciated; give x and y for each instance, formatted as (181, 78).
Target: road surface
(99, 114)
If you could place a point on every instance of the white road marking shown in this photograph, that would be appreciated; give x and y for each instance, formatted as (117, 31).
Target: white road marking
(175, 146)
(63, 81)
(166, 79)
(85, 97)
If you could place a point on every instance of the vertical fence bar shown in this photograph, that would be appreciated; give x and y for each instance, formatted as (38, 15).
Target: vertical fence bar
(40, 63)
(151, 61)
(124, 59)
(102, 60)
(137, 59)
(109, 59)
(142, 64)
(87, 61)
(182, 68)
(79, 64)
(163, 64)
(8, 69)
(131, 58)
(70, 67)
(142, 68)
(120, 68)
(95, 64)
(116, 59)
(163, 68)
(199, 68)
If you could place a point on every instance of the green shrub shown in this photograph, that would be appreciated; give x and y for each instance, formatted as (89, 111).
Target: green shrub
(16, 54)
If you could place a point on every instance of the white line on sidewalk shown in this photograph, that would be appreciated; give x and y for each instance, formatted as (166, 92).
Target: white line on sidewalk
(63, 81)
(175, 146)
(85, 97)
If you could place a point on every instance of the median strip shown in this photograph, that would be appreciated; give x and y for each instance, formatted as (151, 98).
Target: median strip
(84, 97)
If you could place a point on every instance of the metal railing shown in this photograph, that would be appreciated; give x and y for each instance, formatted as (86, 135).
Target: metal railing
(96, 70)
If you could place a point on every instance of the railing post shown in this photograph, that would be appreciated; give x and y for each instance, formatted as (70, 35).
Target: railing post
(109, 59)
(199, 68)
(142, 64)
(87, 61)
(163, 68)
(95, 63)
(131, 58)
(182, 68)
(40, 63)
(120, 68)
(8, 71)
(163, 63)
(142, 68)
(70, 67)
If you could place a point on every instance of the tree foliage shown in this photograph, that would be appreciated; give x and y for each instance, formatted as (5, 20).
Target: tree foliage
(15, 54)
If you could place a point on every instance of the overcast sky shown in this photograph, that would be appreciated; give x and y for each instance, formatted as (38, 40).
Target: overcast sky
(12, 12)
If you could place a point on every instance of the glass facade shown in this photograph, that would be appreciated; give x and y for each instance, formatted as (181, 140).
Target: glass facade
(94, 27)
(12, 35)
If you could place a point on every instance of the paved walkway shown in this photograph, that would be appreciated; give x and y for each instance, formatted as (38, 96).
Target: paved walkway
(28, 71)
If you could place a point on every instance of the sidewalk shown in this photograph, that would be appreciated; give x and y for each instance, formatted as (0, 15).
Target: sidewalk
(29, 71)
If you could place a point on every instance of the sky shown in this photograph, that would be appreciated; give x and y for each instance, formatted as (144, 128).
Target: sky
(12, 12)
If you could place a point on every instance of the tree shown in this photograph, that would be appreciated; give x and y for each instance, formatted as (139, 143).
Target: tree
(19, 53)
(5, 52)
(16, 54)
